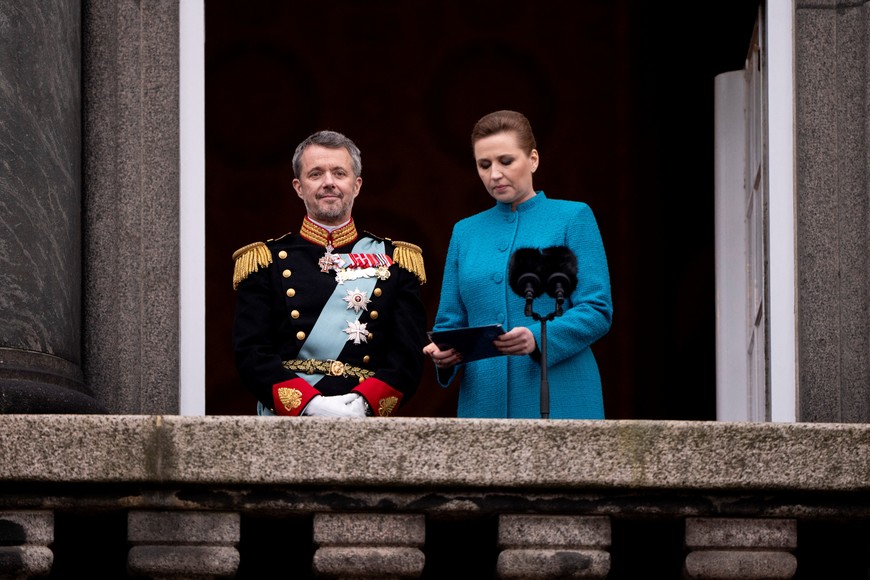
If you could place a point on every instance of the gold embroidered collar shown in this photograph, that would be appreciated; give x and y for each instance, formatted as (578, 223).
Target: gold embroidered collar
(336, 238)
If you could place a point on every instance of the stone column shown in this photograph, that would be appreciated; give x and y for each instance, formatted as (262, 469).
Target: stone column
(40, 209)
(832, 177)
(553, 546)
(25, 537)
(131, 165)
(369, 545)
(722, 548)
(183, 544)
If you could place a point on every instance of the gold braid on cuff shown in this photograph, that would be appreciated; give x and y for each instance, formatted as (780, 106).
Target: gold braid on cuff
(331, 368)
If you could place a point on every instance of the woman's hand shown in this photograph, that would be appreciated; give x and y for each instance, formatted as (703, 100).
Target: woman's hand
(519, 340)
(442, 358)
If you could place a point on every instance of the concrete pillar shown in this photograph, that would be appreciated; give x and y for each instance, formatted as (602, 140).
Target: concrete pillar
(553, 546)
(832, 178)
(131, 164)
(40, 209)
(369, 545)
(736, 548)
(183, 544)
(25, 537)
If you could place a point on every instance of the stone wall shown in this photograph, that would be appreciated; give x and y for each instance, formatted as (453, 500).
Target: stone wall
(417, 497)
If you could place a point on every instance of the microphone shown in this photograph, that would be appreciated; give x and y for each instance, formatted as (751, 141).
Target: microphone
(558, 266)
(524, 274)
(561, 265)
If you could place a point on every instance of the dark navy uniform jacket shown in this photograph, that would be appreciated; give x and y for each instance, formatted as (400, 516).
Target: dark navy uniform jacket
(282, 292)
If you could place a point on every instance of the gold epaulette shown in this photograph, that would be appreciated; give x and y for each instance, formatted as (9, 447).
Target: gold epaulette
(410, 257)
(249, 259)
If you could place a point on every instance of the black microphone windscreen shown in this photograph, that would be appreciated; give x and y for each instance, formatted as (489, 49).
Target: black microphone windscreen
(526, 268)
(560, 265)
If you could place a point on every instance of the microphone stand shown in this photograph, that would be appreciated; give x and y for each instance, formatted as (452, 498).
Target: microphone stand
(545, 383)
(561, 271)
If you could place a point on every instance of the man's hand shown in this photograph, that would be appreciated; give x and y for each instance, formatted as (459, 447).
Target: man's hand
(349, 405)
(359, 405)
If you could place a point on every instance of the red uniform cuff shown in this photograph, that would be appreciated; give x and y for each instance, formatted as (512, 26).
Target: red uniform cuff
(383, 398)
(290, 397)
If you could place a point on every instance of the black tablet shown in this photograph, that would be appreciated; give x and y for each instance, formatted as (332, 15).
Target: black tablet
(474, 342)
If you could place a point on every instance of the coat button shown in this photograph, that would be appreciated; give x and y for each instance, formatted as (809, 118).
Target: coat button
(378, 292)
(367, 359)
(294, 314)
(374, 315)
(282, 254)
(300, 335)
(286, 273)
(291, 292)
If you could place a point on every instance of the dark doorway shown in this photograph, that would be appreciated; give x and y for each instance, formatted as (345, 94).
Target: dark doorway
(620, 94)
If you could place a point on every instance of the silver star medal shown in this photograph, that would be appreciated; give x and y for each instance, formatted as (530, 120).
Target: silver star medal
(357, 300)
(356, 331)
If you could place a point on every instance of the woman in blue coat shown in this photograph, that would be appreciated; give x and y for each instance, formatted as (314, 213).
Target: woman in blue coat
(476, 289)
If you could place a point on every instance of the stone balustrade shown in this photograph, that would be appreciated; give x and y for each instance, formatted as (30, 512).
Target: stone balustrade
(248, 497)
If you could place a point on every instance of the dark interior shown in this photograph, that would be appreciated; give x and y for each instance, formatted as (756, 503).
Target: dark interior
(619, 93)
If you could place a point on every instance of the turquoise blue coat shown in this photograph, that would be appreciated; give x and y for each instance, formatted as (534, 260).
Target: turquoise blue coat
(476, 291)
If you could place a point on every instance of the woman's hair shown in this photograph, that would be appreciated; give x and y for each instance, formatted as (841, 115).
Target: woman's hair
(330, 140)
(504, 121)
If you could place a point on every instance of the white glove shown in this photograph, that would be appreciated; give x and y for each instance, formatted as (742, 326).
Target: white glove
(359, 406)
(334, 406)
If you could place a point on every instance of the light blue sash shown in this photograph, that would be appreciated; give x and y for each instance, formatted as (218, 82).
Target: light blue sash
(327, 338)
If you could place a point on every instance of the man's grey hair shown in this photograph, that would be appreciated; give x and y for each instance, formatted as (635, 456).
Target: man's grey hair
(330, 140)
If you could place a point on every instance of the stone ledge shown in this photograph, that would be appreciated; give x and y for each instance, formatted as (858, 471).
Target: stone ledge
(427, 452)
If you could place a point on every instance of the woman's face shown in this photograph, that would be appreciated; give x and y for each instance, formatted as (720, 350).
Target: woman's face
(505, 169)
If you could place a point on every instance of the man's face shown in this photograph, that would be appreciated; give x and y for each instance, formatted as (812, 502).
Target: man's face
(327, 185)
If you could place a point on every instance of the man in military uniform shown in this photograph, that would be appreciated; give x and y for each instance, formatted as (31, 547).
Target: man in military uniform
(329, 321)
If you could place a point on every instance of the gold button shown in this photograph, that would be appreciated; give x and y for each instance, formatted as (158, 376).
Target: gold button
(360, 380)
(294, 314)
(378, 291)
(286, 273)
(300, 335)
(371, 335)
(366, 359)
(282, 254)
(374, 315)
(291, 292)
